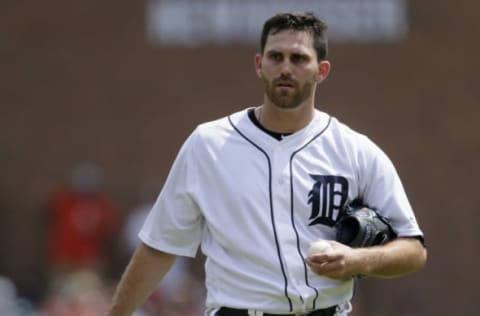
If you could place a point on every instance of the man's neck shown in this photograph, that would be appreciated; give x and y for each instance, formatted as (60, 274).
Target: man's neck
(280, 120)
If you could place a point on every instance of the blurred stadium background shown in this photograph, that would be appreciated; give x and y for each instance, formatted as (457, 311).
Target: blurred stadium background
(121, 84)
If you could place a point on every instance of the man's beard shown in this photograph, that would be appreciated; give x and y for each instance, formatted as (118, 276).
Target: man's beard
(288, 98)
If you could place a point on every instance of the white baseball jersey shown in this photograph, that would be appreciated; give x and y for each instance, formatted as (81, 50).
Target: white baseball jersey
(255, 203)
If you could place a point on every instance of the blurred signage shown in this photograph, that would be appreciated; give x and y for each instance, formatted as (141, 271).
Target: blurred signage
(198, 22)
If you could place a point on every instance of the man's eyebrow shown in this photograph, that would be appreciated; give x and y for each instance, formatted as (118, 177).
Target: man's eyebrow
(299, 54)
(273, 51)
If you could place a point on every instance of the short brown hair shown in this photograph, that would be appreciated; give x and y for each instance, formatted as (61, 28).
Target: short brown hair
(298, 21)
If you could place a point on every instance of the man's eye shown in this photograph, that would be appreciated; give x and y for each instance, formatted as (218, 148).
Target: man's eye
(276, 57)
(298, 58)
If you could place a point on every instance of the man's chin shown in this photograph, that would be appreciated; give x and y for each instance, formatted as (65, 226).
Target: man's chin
(286, 105)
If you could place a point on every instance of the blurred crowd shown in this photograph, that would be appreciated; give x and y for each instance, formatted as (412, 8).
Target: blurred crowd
(83, 226)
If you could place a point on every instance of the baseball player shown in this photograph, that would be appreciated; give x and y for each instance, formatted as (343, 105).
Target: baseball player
(255, 188)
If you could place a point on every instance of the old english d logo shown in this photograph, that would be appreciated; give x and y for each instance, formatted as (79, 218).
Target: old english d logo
(328, 194)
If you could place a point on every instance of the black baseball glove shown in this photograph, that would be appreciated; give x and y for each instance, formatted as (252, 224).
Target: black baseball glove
(361, 226)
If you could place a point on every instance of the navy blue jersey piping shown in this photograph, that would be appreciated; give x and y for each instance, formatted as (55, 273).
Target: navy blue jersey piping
(271, 211)
(292, 209)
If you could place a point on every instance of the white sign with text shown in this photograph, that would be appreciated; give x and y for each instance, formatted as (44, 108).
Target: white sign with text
(199, 22)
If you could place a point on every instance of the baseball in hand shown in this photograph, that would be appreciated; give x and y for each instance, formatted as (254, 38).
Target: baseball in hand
(319, 246)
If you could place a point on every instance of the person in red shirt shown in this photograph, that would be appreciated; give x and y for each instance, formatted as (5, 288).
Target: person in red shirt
(82, 220)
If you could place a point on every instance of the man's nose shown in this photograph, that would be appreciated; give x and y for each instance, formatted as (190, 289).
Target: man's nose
(286, 68)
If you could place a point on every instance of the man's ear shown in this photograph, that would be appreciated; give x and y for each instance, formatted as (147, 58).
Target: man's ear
(258, 65)
(323, 70)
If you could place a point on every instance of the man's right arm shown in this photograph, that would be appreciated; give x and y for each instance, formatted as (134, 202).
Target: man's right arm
(142, 275)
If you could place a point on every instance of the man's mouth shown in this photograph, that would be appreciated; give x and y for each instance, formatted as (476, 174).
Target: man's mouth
(285, 84)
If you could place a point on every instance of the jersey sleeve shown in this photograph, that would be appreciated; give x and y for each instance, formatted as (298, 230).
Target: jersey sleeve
(175, 223)
(382, 189)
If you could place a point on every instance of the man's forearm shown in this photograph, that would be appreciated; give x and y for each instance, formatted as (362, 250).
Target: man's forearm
(398, 257)
(142, 275)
